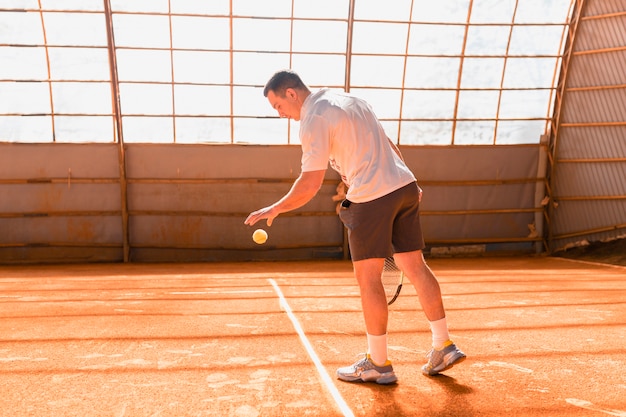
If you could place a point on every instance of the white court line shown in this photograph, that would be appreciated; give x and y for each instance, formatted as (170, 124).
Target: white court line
(341, 403)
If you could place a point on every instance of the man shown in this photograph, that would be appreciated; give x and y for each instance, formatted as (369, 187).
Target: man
(381, 212)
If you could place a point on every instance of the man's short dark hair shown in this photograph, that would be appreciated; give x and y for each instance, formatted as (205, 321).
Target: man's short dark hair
(281, 81)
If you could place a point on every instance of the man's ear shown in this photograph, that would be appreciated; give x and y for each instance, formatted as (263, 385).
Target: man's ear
(291, 94)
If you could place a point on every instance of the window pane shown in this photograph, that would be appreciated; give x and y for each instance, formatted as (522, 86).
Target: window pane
(143, 65)
(487, 40)
(426, 133)
(84, 129)
(202, 67)
(536, 40)
(377, 71)
(249, 101)
(146, 99)
(514, 132)
(274, 8)
(331, 9)
(474, 133)
(524, 104)
(202, 100)
(432, 72)
(30, 129)
(261, 35)
(379, 10)
(436, 40)
(379, 38)
(81, 98)
(319, 36)
(482, 72)
(428, 104)
(213, 7)
(202, 130)
(529, 72)
(449, 11)
(19, 28)
(23, 63)
(478, 104)
(154, 33)
(84, 29)
(148, 129)
(24, 98)
(492, 11)
(260, 131)
(79, 64)
(200, 33)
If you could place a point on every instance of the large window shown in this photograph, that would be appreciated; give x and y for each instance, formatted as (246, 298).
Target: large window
(453, 72)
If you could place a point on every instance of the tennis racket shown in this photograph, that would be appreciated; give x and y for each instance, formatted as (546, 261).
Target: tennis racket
(392, 280)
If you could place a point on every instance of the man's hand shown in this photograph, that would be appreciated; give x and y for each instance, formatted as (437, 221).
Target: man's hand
(269, 213)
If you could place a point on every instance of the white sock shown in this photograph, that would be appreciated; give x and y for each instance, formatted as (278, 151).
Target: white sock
(377, 348)
(439, 329)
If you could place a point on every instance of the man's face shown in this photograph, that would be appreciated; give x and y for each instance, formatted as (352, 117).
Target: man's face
(288, 106)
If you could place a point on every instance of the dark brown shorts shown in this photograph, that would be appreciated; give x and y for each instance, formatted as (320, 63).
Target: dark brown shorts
(382, 227)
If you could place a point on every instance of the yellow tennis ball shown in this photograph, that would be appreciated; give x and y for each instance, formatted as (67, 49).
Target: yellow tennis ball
(259, 236)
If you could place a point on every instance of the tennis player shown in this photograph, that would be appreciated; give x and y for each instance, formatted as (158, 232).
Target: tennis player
(381, 212)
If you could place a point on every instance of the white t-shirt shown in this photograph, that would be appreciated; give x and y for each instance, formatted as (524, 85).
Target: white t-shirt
(341, 129)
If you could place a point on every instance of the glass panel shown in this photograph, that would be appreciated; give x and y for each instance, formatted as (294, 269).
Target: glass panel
(474, 133)
(23, 63)
(432, 72)
(449, 11)
(148, 129)
(154, 33)
(84, 129)
(88, 5)
(261, 131)
(80, 98)
(436, 40)
(83, 29)
(517, 132)
(200, 33)
(19, 28)
(478, 104)
(274, 8)
(256, 69)
(261, 35)
(492, 11)
(249, 101)
(319, 36)
(29, 129)
(148, 6)
(542, 11)
(524, 104)
(379, 10)
(377, 71)
(201, 67)
(213, 7)
(428, 104)
(529, 72)
(330, 9)
(426, 133)
(24, 98)
(146, 99)
(487, 40)
(379, 38)
(482, 72)
(79, 64)
(202, 130)
(536, 40)
(202, 100)
(143, 65)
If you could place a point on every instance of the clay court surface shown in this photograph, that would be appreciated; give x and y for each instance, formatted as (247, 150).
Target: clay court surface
(544, 337)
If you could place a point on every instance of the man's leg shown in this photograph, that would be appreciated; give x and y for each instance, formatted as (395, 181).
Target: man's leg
(444, 354)
(375, 366)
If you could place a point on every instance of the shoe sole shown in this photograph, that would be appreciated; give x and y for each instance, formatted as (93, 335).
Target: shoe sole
(456, 360)
(382, 379)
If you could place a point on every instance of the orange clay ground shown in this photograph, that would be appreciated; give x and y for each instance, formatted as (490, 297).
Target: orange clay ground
(544, 337)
